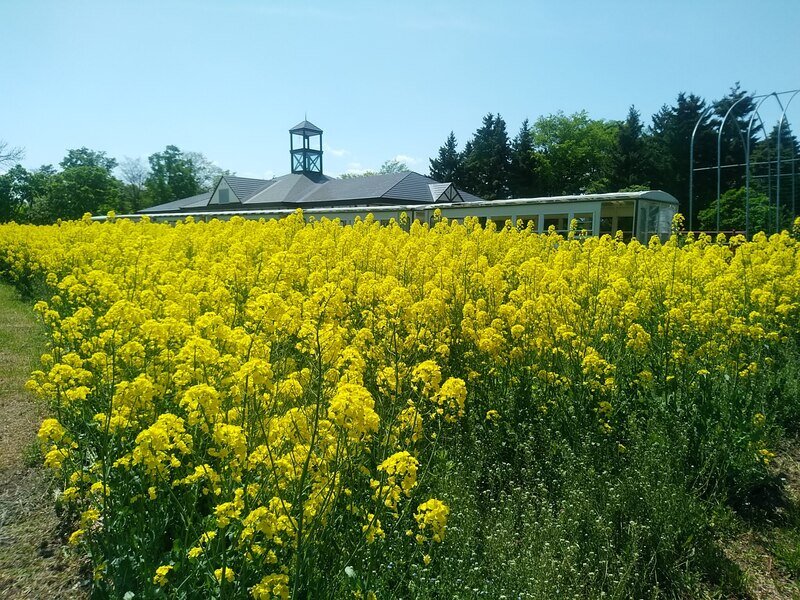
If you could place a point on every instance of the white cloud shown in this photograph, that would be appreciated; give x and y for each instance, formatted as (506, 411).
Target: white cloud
(338, 153)
(408, 160)
(354, 168)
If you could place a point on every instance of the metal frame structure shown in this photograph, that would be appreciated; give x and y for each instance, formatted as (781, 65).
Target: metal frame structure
(746, 138)
(305, 159)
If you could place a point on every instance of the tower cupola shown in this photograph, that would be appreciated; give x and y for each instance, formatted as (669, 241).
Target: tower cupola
(305, 141)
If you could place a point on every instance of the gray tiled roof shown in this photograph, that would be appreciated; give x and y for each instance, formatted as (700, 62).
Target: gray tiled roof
(176, 205)
(437, 189)
(317, 190)
(308, 126)
(412, 188)
(244, 187)
(467, 197)
(352, 191)
(288, 189)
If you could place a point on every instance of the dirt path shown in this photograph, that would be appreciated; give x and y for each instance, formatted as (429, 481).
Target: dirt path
(33, 560)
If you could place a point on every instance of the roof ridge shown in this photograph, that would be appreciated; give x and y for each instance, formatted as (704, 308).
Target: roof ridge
(250, 178)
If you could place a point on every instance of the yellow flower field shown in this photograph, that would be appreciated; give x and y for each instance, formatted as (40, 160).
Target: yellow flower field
(300, 409)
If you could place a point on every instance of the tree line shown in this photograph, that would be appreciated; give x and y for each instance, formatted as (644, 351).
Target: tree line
(554, 155)
(561, 154)
(90, 181)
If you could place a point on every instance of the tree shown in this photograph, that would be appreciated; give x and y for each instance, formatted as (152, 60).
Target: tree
(20, 188)
(393, 166)
(764, 171)
(575, 153)
(83, 189)
(172, 176)
(523, 176)
(487, 160)
(12, 193)
(134, 175)
(668, 150)
(10, 154)
(631, 166)
(83, 157)
(741, 105)
(85, 184)
(389, 166)
(732, 212)
(447, 166)
(206, 173)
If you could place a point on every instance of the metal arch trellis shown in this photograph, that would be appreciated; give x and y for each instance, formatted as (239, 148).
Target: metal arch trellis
(746, 143)
(747, 159)
(778, 160)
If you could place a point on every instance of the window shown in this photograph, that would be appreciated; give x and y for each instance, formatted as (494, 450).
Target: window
(224, 195)
(648, 222)
(625, 225)
(500, 222)
(525, 220)
(560, 222)
(585, 222)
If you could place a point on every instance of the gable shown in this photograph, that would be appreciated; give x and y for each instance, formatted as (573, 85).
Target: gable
(223, 194)
(445, 192)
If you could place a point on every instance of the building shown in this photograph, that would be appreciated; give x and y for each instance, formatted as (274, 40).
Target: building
(307, 187)
(636, 214)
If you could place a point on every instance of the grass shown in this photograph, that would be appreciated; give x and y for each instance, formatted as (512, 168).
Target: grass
(766, 546)
(33, 559)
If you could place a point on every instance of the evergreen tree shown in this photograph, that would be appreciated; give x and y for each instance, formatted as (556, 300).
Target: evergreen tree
(631, 166)
(524, 180)
(668, 151)
(467, 178)
(446, 167)
(741, 105)
(487, 160)
(764, 174)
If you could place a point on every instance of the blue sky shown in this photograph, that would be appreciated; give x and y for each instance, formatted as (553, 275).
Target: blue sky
(382, 79)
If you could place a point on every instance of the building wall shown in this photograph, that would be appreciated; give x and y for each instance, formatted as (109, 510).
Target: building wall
(597, 218)
(223, 185)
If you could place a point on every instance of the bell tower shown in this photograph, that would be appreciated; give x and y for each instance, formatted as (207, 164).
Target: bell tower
(305, 142)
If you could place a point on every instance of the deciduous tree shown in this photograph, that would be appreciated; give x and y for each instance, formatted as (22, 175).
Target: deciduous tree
(173, 175)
